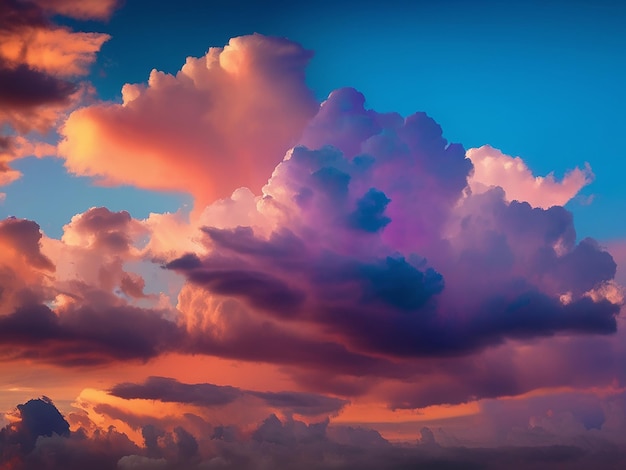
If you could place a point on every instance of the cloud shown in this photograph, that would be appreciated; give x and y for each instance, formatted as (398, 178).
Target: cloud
(349, 279)
(40, 63)
(40, 437)
(53, 316)
(23, 267)
(226, 328)
(32, 41)
(170, 390)
(23, 88)
(223, 121)
(38, 59)
(363, 269)
(80, 9)
(209, 395)
(305, 404)
(36, 418)
(567, 440)
(23, 236)
(370, 228)
(494, 168)
(84, 336)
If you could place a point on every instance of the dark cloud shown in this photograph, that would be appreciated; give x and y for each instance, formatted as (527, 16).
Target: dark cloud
(186, 444)
(37, 418)
(24, 88)
(87, 335)
(16, 14)
(369, 214)
(25, 236)
(170, 390)
(396, 266)
(305, 404)
(259, 289)
(288, 444)
(249, 339)
(391, 305)
(210, 395)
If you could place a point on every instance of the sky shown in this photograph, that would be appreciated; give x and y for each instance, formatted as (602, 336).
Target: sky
(312, 235)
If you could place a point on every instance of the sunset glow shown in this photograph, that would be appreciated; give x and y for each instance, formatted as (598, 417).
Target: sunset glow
(244, 237)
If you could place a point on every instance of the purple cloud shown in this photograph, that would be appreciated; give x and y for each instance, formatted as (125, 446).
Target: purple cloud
(210, 395)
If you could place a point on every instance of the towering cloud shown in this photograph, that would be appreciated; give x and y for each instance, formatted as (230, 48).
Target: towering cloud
(366, 259)
(223, 121)
(373, 241)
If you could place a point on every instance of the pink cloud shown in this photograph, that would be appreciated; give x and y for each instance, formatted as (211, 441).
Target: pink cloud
(326, 255)
(359, 265)
(223, 121)
(53, 50)
(39, 64)
(494, 168)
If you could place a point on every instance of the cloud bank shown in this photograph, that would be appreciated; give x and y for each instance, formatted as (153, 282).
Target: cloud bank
(40, 437)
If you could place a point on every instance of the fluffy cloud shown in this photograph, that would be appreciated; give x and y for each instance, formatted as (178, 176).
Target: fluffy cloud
(223, 121)
(36, 418)
(38, 59)
(363, 270)
(363, 256)
(64, 308)
(289, 444)
(40, 63)
(354, 253)
(493, 168)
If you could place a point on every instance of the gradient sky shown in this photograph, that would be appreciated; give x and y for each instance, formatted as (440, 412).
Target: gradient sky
(372, 234)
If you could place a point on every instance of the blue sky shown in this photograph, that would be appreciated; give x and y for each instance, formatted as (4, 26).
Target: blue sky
(540, 80)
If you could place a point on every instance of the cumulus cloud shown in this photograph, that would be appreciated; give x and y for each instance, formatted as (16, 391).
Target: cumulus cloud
(76, 318)
(36, 418)
(223, 121)
(341, 239)
(354, 253)
(40, 64)
(494, 168)
(289, 444)
(40, 437)
(362, 255)
(356, 262)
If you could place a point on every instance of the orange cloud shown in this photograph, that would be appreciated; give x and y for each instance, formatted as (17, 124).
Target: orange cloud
(494, 168)
(224, 120)
(39, 61)
(57, 51)
(80, 9)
